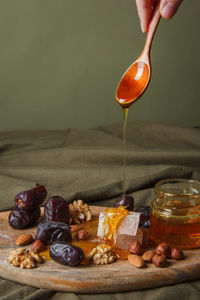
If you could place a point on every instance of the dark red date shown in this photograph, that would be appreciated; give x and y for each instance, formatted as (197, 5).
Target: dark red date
(49, 232)
(146, 224)
(128, 202)
(144, 215)
(20, 219)
(56, 209)
(66, 254)
(32, 198)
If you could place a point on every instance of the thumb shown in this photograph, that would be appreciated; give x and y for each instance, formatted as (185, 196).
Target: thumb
(168, 8)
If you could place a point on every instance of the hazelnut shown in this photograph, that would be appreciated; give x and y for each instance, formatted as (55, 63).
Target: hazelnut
(163, 249)
(177, 254)
(82, 235)
(135, 248)
(159, 261)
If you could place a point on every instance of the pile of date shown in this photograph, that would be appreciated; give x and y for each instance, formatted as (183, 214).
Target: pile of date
(54, 231)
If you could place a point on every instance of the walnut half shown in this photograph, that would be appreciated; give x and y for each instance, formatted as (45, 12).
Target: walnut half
(80, 212)
(23, 258)
(102, 255)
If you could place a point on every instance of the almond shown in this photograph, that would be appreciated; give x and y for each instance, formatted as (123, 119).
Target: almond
(38, 246)
(148, 255)
(136, 260)
(24, 239)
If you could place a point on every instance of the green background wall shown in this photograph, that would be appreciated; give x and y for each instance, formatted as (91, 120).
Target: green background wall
(60, 63)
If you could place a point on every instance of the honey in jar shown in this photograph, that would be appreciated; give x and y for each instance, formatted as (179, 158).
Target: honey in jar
(175, 213)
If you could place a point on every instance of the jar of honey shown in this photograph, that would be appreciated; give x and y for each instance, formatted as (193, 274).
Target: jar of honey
(175, 213)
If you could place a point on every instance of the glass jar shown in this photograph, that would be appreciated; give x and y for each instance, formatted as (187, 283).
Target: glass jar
(175, 213)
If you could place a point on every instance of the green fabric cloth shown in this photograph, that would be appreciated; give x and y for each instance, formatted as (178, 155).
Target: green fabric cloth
(87, 164)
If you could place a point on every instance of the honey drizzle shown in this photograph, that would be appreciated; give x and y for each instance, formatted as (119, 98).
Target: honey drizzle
(45, 254)
(92, 242)
(112, 221)
(125, 110)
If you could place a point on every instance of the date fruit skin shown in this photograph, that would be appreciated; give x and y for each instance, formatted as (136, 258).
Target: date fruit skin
(56, 209)
(30, 199)
(128, 202)
(20, 219)
(144, 215)
(146, 224)
(48, 232)
(66, 254)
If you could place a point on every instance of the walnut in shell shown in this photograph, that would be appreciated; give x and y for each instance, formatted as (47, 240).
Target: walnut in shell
(80, 212)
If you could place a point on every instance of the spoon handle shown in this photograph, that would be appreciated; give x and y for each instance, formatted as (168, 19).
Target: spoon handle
(151, 30)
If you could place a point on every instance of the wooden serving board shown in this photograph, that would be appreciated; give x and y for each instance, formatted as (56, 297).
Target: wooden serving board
(115, 277)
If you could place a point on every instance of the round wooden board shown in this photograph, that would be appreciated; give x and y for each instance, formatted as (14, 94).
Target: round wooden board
(116, 277)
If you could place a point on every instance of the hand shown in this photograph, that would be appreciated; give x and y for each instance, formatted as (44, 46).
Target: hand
(168, 8)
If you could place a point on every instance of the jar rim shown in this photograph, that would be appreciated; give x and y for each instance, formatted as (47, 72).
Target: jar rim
(160, 184)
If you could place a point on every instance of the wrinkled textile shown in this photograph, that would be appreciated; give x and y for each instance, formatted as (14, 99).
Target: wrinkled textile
(87, 164)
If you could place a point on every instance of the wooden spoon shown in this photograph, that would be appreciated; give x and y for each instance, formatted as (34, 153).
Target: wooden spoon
(136, 78)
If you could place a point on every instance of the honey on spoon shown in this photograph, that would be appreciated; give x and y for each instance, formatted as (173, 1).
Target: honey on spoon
(135, 80)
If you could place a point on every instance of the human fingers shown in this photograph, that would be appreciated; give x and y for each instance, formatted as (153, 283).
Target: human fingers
(144, 8)
(168, 8)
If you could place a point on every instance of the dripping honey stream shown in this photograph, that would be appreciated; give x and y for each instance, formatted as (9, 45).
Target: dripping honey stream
(135, 81)
(125, 111)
